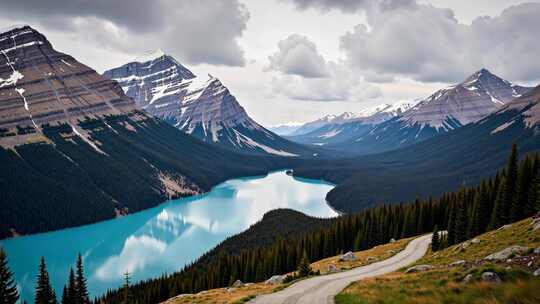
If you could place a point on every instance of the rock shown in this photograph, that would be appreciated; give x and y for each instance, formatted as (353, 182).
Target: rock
(371, 259)
(419, 268)
(391, 252)
(505, 227)
(249, 284)
(490, 277)
(475, 241)
(275, 280)
(332, 268)
(347, 257)
(230, 289)
(536, 273)
(537, 250)
(392, 240)
(468, 278)
(506, 253)
(457, 263)
(237, 284)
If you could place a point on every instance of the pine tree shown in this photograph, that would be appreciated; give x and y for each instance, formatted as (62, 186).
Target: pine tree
(71, 288)
(358, 242)
(533, 204)
(8, 288)
(503, 205)
(44, 291)
(435, 243)
(461, 225)
(304, 268)
(81, 290)
(65, 296)
(126, 289)
(519, 204)
(452, 226)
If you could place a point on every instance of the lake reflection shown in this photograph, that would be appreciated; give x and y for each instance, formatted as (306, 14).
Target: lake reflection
(161, 239)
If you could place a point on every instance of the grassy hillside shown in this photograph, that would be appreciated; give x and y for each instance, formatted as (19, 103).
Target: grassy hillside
(445, 283)
(249, 291)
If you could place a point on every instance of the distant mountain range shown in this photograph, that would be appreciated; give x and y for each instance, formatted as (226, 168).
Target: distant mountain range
(476, 97)
(342, 128)
(460, 156)
(74, 149)
(199, 106)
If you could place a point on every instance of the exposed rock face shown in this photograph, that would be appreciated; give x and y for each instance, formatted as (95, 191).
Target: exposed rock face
(419, 268)
(41, 86)
(447, 109)
(458, 263)
(507, 252)
(349, 256)
(491, 277)
(469, 101)
(202, 107)
(275, 280)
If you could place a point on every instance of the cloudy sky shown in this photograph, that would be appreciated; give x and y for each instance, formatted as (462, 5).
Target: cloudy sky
(297, 60)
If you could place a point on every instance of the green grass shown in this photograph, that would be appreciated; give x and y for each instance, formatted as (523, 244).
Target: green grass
(445, 284)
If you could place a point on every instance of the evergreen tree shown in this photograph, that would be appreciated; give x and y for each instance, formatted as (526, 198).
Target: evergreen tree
(65, 296)
(452, 226)
(304, 268)
(8, 288)
(81, 290)
(44, 291)
(435, 244)
(520, 202)
(505, 200)
(358, 241)
(71, 288)
(533, 204)
(461, 225)
(126, 288)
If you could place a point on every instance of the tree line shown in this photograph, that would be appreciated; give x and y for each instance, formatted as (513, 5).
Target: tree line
(512, 194)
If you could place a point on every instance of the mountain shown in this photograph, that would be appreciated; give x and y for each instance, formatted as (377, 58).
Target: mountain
(202, 107)
(344, 127)
(74, 149)
(285, 129)
(445, 110)
(462, 156)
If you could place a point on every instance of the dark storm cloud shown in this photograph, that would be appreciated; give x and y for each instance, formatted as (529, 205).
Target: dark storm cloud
(197, 31)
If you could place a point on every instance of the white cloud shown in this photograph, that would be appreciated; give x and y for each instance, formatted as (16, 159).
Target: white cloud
(203, 31)
(428, 44)
(298, 55)
(340, 85)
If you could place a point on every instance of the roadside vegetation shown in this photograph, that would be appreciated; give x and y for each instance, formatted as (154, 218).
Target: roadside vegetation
(456, 276)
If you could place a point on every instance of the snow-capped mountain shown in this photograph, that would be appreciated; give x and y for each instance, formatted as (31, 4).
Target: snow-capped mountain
(285, 129)
(199, 106)
(469, 101)
(342, 128)
(479, 95)
(74, 149)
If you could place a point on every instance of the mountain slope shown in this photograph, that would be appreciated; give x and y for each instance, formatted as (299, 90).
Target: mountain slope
(445, 162)
(445, 110)
(204, 108)
(75, 150)
(347, 126)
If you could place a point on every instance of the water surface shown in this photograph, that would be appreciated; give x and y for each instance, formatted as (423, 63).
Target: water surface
(162, 239)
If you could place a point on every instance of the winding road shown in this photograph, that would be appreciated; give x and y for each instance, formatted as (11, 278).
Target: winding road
(322, 289)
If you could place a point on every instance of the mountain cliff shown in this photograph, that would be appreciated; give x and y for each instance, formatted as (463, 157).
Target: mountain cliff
(202, 107)
(74, 149)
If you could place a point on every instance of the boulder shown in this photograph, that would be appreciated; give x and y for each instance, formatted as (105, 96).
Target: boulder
(332, 268)
(475, 241)
(275, 280)
(505, 227)
(537, 250)
(237, 284)
(230, 289)
(468, 278)
(349, 256)
(458, 263)
(506, 253)
(392, 240)
(536, 273)
(419, 268)
(391, 252)
(490, 277)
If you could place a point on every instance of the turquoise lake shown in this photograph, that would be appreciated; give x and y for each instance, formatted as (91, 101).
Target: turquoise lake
(162, 239)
